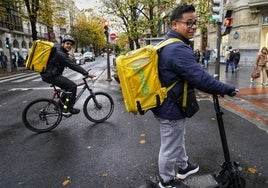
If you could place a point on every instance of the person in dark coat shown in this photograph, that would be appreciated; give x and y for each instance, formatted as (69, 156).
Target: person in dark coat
(4, 60)
(206, 56)
(177, 63)
(197, 55)
(55, 68)
(237, 59)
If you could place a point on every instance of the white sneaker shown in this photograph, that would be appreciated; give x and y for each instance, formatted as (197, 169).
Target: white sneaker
(264, 84)
(251, 80)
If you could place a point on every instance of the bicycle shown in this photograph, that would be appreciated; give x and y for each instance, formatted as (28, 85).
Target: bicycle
(45, 114)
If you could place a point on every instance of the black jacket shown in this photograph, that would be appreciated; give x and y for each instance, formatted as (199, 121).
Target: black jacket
(59, 60)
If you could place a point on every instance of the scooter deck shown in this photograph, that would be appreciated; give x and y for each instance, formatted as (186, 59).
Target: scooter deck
(204, 181)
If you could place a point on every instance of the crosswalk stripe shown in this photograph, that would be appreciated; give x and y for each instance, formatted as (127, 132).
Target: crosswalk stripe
(6, 77)
(28, 78)
(16, 77)
(35, 77)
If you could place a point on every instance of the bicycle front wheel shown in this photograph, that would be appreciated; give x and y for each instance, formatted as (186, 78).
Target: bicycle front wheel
(42, 115)
(98, 107)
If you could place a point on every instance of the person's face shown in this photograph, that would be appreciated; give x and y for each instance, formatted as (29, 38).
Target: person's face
(67, 45)
(186, 26)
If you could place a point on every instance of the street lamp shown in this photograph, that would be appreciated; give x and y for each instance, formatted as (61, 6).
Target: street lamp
(106, 32)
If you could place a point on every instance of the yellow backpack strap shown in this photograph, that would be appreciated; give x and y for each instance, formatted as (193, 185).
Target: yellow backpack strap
(184, 99)
(167, 42)
(161, 45)
(171, 86)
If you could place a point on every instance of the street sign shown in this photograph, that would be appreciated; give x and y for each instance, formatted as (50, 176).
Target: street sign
(113, 36)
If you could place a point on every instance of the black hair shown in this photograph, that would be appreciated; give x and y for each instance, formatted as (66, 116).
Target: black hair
(182, 8)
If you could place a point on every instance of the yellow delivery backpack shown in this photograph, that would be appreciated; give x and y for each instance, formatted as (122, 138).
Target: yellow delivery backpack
(139, 80)
(39, 55)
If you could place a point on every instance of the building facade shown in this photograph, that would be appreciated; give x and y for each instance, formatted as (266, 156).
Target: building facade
(19, 31)
(249, 32)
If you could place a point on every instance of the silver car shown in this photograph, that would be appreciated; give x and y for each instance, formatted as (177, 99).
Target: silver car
(89, 56)
(79, 58)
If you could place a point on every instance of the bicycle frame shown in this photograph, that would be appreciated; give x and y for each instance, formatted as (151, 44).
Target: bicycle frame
(97, 107)
(57, 92)
(85, 86)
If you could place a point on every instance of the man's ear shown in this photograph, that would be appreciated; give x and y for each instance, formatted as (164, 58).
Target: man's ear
(174, 25)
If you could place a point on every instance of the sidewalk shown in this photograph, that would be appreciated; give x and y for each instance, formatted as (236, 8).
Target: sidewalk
(251, 103)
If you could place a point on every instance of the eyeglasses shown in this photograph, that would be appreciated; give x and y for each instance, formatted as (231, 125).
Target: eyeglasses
(189, 23)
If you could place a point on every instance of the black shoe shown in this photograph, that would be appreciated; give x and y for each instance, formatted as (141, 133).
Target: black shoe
(174, 183)
(74, 111)
(184, 173)
(66, 112)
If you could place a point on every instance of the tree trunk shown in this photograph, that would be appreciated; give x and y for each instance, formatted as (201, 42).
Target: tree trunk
(33, 26)
(131, 43)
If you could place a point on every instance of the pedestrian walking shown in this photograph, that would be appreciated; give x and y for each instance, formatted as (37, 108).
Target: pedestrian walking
(3, 60)
(213, 56)
(206, 58)
(177, 63)
(13, 60)
(260, 65)
(197, 55)
(237, 59)
(230, 56)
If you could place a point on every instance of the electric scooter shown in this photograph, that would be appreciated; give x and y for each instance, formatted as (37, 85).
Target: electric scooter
(230, 174)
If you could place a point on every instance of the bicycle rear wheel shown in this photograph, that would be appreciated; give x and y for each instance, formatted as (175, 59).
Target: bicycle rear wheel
(98, 107)
(42, 115)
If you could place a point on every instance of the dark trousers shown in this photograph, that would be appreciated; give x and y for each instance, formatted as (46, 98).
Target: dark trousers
(231, 63)
(63, 83)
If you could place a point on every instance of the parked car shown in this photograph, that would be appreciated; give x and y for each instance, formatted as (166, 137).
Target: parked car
(79, 58)
(89, 56)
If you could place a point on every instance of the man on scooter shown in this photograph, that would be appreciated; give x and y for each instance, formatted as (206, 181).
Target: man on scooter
(177, 63)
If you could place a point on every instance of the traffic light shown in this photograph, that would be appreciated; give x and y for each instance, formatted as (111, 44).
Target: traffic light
(7, 43)
(227, 24)
(106, 28)
(216, 11)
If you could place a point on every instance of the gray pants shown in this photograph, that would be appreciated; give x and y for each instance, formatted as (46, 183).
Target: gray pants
(172, 152)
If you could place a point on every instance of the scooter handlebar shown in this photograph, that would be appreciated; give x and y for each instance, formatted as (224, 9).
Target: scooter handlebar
(233, 93)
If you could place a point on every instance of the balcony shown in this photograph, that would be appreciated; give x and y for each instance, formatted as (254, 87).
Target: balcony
(257, 3)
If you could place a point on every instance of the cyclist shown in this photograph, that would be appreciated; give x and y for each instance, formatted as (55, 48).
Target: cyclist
(59, 60)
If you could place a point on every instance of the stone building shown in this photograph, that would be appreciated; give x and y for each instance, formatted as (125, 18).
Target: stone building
(249, 32)
(19, 32)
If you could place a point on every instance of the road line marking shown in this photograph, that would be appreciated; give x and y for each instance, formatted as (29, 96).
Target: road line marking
(5, 77)
(17, 77)
(28, 78)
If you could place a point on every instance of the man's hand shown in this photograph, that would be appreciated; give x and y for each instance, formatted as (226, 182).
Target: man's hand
(232, 93)
(91, 75)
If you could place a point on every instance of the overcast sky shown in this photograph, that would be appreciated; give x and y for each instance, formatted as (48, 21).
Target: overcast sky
(84, 4)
